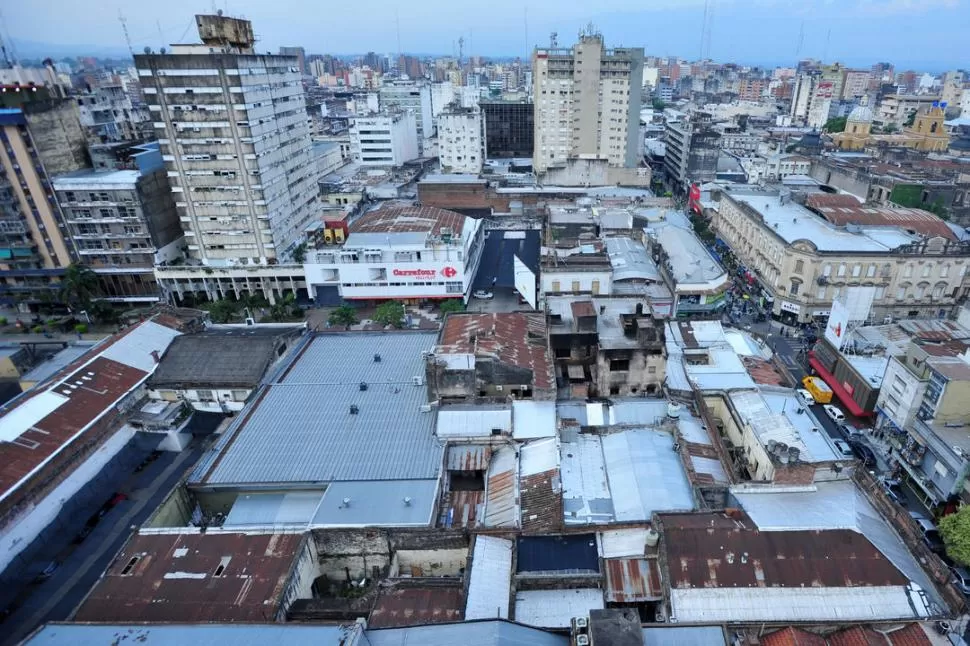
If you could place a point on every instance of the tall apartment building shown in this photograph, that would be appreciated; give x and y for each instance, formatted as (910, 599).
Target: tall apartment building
(384, 140)
(232, 126)
(122, 224)
(587, 103)
(461, 139)
(509, 128)
(692, 151)
(108, 112)
(40, 136)
(300, 54)
(413, 96)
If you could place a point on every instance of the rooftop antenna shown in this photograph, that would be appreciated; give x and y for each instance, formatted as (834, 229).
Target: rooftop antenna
(461, 49)
(801, 39)
(397, 23)
(528, 50)
(124, 28)
(825, 53)
(710, 28)
(700, 53)
(554, 40)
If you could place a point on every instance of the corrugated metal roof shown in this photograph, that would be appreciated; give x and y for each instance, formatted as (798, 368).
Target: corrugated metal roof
(180, 634)
(683, 636)
(490, 579)
(795, 604)
(296, 508)
(645, 474)
(387, 503)
(165, 577)
(484, 633)
(500, 490)
(468, 457)
(462, 508)
(574, 553)
(301, 429)
(533, 419)
(632, 580)
(413, 606)
(538, 456)
(555, 608)
(472, 421)
(617, 543)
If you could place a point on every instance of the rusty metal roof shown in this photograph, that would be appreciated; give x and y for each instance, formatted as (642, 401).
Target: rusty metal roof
(500, 503)
(632, 580)
(515, 338)
(177, 577)
(918, 220)
(409, 219)
(462, 508)
(735, 557)
(468, 457)
(415, 606)
(582, 309)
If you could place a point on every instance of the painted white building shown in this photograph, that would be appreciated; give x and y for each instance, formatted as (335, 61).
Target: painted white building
(461, 140)
(413, 96)
(399, 252)
(232, 128)
(384, 140)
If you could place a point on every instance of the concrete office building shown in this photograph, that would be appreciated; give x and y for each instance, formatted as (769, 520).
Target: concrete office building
(692, 151)
(461, 140)
(416, 97)
(509, 129)
(384, 140)
(232, 126)
(122, 224)
(300, 54)
(40, 136)
(587, 103)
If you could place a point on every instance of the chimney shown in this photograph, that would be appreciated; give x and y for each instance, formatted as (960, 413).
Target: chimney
(155, 356)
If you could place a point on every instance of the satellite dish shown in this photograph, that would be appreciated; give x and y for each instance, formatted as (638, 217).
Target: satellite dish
(162, 50)
(148, 50)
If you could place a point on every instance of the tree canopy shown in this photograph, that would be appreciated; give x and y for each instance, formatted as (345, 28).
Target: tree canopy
(390, 313)
(343, 316)
(452, 305)
(836, 124)
(79, 286)
(955, 530)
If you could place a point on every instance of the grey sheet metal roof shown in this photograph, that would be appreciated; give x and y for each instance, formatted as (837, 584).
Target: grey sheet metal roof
(275, 509)
(630, 260)
(299, 429)
(398, 503)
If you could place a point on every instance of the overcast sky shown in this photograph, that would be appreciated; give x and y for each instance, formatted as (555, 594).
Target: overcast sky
(929, 33)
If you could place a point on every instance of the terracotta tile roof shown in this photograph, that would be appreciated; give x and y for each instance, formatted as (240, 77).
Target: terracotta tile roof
(792, 636)
(540, 499)
(168, 578)
(909, 635)
(516, 339)
(918, 220)
(416, 606)
(409, 219)
(857, 636)
(817, 200)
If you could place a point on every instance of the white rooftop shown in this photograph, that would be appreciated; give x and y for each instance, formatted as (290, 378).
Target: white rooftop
(792, 221)
(556, 608)
(118, 179)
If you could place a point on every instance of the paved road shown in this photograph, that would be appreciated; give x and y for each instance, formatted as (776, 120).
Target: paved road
(57, 597)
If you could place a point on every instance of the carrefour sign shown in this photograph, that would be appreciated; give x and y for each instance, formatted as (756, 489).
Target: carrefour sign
(447, 272)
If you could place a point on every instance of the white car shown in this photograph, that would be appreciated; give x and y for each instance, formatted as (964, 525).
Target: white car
(834, 413)
(483, 295)
(805, 396)
(843, 448)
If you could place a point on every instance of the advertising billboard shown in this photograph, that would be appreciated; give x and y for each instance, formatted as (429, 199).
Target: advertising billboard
(525, 281)
(836, 328)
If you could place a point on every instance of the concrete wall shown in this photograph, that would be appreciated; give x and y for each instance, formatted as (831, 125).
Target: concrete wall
(445, 562)
(646, 369)
(300, 582)
(58, 136)
(175, 510)
(595, 172)
(759, 464)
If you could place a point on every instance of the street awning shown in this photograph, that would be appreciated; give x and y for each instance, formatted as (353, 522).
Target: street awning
(838, 389)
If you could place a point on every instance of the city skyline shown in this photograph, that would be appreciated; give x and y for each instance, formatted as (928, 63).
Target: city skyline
(765, 33)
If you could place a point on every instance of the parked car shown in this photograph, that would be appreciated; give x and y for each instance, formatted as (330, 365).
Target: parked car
(483, 295)
(894, 490)
(843, 448)
(848, 431)
(805, 396)
(961, 577)
(863, 452)
(928, 531)
(834, 413)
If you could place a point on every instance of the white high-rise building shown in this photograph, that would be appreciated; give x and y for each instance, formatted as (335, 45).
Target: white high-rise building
(384, 140)
(413, 96)
(461, 140)
(232, 127)
(587, 103)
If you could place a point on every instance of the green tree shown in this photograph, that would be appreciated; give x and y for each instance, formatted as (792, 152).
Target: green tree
(299, 253)
(221, 311)
(910, 120)
(103, 312)
(343, 316)
(79, 286)
(836, 124)
(955, 530)
(452, 305)
(283, 308)
(658, 104)
(390, 313)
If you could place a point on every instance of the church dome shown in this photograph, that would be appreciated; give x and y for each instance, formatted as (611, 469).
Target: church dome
(861, 114)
